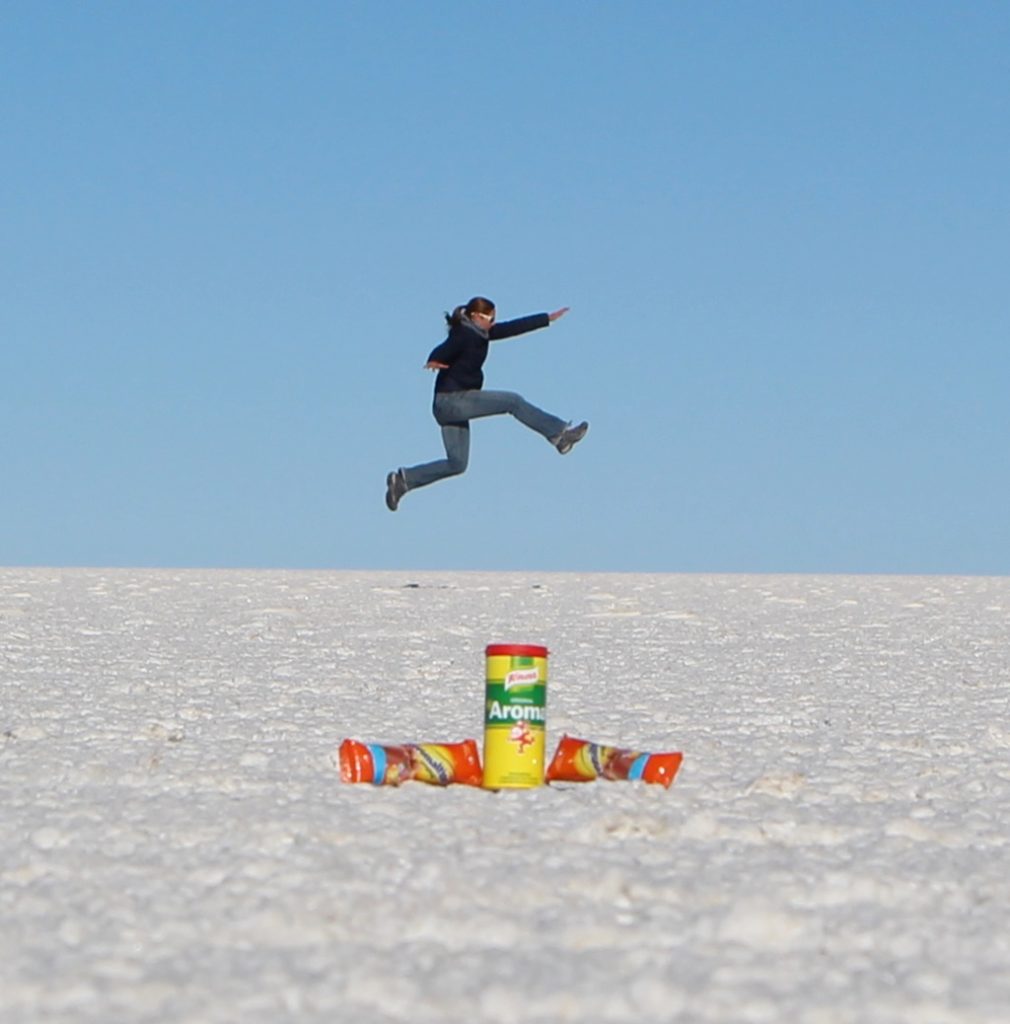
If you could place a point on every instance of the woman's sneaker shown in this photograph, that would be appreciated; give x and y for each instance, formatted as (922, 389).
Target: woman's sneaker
(570, 437)
(396, 488)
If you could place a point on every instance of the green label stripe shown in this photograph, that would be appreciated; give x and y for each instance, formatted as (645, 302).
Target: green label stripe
(535, 694)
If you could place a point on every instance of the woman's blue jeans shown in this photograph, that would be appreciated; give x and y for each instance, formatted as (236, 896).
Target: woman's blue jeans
(454, 409)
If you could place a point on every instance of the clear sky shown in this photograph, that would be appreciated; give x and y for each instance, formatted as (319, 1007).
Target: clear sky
(229, 230)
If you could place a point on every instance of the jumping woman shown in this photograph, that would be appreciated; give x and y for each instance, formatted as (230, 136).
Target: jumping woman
(459, 398)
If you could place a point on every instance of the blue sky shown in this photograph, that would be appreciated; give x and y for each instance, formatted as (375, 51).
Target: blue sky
(230, 229)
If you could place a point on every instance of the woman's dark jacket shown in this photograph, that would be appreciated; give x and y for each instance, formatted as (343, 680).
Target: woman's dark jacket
(465, 350)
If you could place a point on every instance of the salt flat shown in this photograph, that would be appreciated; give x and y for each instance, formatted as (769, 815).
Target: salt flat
(176, 844)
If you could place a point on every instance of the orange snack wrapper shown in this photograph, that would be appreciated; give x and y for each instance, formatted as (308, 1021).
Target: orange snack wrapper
(582, 761)
(438, 764)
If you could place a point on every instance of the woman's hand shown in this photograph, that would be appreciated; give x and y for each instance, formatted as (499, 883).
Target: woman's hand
(558, 313)
(432, 365)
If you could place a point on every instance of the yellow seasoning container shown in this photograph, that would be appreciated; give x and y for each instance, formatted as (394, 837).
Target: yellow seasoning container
(515, 716)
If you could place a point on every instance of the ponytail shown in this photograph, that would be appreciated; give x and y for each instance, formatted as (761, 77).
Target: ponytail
(455, 318)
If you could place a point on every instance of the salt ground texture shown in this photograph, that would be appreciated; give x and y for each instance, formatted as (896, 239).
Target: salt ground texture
(176, 844)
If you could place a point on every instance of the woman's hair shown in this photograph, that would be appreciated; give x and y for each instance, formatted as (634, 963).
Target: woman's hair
(477, 304)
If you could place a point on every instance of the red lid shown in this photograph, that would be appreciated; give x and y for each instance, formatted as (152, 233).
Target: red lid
(516, 650)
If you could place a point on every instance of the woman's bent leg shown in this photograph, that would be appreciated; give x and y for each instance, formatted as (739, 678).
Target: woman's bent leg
(472, 405)
(456, 438)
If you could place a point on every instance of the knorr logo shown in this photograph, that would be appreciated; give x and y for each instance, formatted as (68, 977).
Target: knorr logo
(522, 677)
